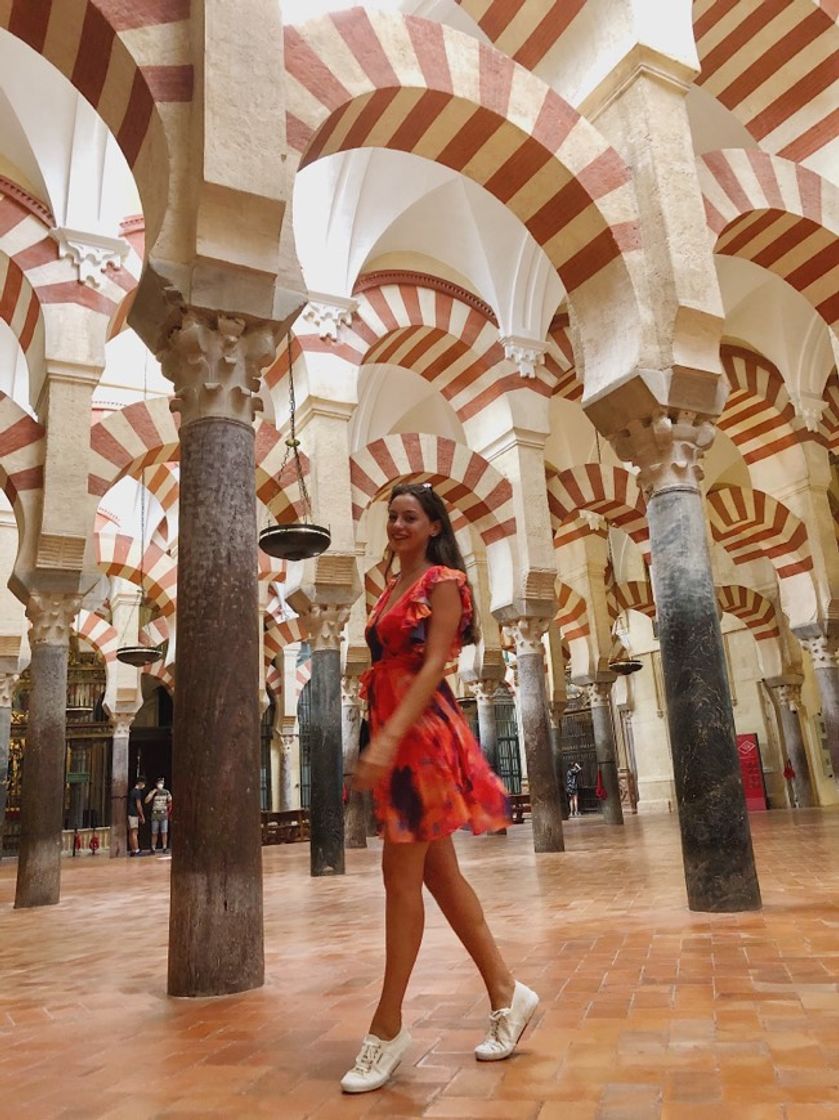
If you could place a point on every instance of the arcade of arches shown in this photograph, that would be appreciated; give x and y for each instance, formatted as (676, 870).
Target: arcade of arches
(573, 262)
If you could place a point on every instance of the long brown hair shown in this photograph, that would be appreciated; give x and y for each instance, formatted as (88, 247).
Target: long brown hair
(442, 549)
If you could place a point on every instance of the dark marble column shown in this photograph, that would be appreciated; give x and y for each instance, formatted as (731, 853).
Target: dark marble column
(355, 813)
(484, 692)
(546, 809)
(716, 841)
(789, 699)
(215, 927)
(556, 709)
(823, 651)
(119, 784)
(598, 694)
(326, 855)
(8, 682)
(44, 755)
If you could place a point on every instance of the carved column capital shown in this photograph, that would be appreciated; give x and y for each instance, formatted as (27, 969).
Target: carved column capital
(789, 695)
(350, 686)
(51, 618)
(526, 633)
(822, 650)
(7, 688)
(484, 689)
(122, 724)
(666, 448)
(526, 354)
(597, 693)
(324, 625)
(215, 363)
(328, 314)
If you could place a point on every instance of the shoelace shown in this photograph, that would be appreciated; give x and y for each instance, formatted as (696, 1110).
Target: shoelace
(370, 1054)
(496, 1018)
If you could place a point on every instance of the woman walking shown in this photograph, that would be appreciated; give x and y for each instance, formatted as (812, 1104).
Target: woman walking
(428, 778)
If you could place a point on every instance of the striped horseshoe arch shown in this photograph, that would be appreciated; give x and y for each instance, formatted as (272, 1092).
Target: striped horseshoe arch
(22, 451)
(774, 64)
(758, 415)
(571, 613)
(413, 85)
(750, 525)
(778, 215)
(125, 60)
(526, 32)
(119, 555)
(752, 608)
(609, 491)
(830, 417)
(462, 477)
(100, 634)
(163, 673)
(632, 595)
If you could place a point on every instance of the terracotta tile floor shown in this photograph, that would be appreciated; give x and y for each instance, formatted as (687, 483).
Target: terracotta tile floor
(648, 1011)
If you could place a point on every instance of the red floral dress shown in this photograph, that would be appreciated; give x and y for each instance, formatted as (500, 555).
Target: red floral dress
(440, 780)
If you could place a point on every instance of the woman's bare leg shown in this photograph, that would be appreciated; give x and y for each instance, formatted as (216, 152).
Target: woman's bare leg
(402, 868)
(464, 913)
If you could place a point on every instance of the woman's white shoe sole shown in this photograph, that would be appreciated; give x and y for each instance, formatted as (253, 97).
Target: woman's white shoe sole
(374, 1088)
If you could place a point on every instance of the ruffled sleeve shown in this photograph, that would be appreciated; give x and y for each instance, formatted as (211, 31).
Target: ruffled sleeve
(419, 606)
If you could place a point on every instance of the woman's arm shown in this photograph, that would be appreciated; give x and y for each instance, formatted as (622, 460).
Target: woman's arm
(446, 611)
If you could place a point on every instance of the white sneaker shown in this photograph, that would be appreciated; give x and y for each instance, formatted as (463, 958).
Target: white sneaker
(376, 1063)
(507, 1025)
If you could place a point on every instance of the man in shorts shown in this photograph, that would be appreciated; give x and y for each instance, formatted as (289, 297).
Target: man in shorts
(136, 815)
(161, 810)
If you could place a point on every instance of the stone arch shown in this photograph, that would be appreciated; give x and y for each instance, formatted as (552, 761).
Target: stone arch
(611, 492)
(632, 595)
(752, 608)
(829, 426)
(412, 85)
(571, 613)
(759, 416)
(116, 58)
(462, 477)
(751, 525)
(22, 451)
(163, 673)
(778, 215)
(771, 65)
(101, 635)
(119, 555)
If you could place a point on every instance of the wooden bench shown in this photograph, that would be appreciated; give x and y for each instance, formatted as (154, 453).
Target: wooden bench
(290, 826)
(519, 805)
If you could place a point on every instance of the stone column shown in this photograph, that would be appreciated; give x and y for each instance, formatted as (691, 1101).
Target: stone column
(546, 810)
(484, 692)
(355, 817)
(327, 809)
(215, 927)
(42, 792)
(556, 710)
(7, 688)
(823, 651)
(598, 694)
(288, 744)
(789, 701)
(716, 841)
(119, 783)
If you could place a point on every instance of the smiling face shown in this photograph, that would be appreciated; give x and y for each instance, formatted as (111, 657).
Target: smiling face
(409, 529)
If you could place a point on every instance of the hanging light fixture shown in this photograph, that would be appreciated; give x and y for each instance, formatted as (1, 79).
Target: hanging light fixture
(301, 540)
(137, 655)
(623, 666)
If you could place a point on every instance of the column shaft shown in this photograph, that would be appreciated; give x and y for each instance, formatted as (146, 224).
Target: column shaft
(606, 751)
(546, 810)
(5, 735)
(797, 754)
(716, 840)
(827, 677)
(42, 792)
(355, 816)
(327, 763)
(488, 729)
(119, 792)
(216, 939)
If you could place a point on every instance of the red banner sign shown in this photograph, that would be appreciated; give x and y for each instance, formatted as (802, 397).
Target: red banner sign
(751, 772)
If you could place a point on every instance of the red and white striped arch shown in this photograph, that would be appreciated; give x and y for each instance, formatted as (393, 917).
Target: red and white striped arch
(778, 215)
(22, 451)
(127, 60)
(830, 417)
(631, 595)
(571, 613)
(525, 31)
(119, 555)
(414, 85)
(101, 635)
(759, 415)
(567, 383)
(145, 434)
(752, 608)
(462, 477)
(375, 581)
(274, 681)
(751, 525)
(610, 491)
(163, 673)
(774, 64)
